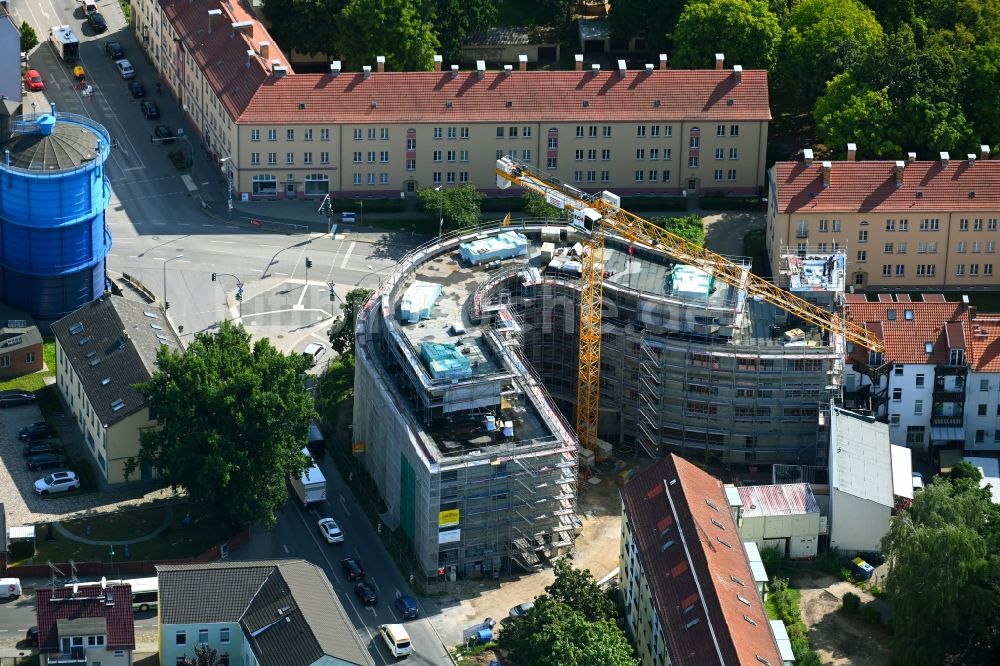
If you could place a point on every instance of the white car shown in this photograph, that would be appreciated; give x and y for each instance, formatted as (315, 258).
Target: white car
(57, 482)
(330, 530)
(313, 351)
(125, 68)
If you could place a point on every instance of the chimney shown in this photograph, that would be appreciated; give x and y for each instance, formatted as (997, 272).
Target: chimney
(971, 158)
(380, 63)
(367, 69)
(621, 68)
(245, 27)
(900, 166)
(911, 157)
(807, 157)
(984, 152)
(578, 58)
(508, 70)
(720, 60)
(335, 68)
(595, 68)
(279, 71)
(454, 71)
(265, 50)
(251, 56)
(852, 151)
(663, 61)
(212, 13)
(827, 166)
(738, 73)
(944, 159)
(274, 62)
(649, 68)
(522, 63)
(481, 68)
(437, 62)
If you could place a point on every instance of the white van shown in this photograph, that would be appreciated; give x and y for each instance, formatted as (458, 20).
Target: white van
(396, 639)
(11, 587)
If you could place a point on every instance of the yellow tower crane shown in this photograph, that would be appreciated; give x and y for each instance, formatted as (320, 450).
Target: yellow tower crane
(596, 214)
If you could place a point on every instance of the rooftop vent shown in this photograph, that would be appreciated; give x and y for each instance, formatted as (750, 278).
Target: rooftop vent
(212, 13)
(578, 59)
(335, 68)
(944, 159)
(380, 63)
(374, 104)
(900, 167)
(852, 151)
(437, 62)
(827, 167)
(84, 341)
(449, 104)
(692, 623)
(279, 72)
(367, 70)
(245, 27)
(621, 68)
(657, 103)
(105, 381)
(738, 74)
(807, 157)
(663, 61)
(454, 71)
(481, 68)
(911, 156)
(510, 103)
(302, 106)
(522, 63)
(749, 619)
(595, 68)
(920, 195)
(251, 57)
(649, 68)
(94, 362)
(586, 103)
(720, 60)
(508, 70)
(265, 49)
(984, 152)
(972, 194)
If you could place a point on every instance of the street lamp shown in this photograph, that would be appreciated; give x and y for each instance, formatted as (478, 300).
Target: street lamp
(228, 161)
(440, 211)
(166, 303)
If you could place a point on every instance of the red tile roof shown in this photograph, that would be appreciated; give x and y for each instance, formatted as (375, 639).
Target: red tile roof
(904, 338)
(698, 569)
(861, 187)
(60, 603)
(985, 339)
(538, 96)
(221, 55)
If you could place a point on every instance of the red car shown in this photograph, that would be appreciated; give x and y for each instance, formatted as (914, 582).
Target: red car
(34, 81)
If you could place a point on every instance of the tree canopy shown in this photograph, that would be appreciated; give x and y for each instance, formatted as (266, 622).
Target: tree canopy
(535, 205)
(745, 30)
(454, 20)
(394, 28)
(29, 39)
(653, 20)
(232, 419)
(308, 26)
(848, 113)
(944, 575)
(688, 227)
(459, 206)
(342, 331)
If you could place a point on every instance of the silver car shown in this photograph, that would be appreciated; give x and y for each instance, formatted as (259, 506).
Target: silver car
(125, 68)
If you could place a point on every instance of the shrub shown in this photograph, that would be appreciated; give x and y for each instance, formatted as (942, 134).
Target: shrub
(852, 603)
(870, 614)
(731, 203)
(845, 575)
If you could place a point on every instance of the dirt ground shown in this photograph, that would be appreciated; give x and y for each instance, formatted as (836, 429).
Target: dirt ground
(839, 640)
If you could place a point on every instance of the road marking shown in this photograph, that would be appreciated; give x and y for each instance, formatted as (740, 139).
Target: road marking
(285, 274)
(286, 548)
(280, 247)
(347, 255)
(344, 505)
(223, 242)
(138, 168)
(189, 183)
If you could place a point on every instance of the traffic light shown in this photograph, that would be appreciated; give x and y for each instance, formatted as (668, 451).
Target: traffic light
(213, 277)
(309, 263)
(166, 305)
(239, 295)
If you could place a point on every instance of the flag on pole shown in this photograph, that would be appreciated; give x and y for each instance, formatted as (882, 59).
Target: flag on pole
(506, 220)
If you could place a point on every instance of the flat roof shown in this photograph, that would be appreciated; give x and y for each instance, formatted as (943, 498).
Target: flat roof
(902, 471)
(990, 468)
(860, 462)
(778, 500)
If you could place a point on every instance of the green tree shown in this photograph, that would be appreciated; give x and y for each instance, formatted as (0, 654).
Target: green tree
(944, 576)
(653, 20)
(745, 30)
(688, 227)
(553, 634)
(535, 205)
(849, 113)
(964, 471)
(822, 39)
(307, 26)
(342, 330)
(29, 39)
(893, 13)
(231, 423)
(393, 28)
(459, 206)
(203, 656)
(456, 19)
(981, 91)
(577, 589)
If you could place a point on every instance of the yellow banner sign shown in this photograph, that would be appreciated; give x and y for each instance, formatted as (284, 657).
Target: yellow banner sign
(449, 517)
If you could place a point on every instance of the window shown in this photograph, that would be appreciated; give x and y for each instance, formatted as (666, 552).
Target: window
(897, 394)
(963, 225)
(862, 256)
(224, 635)
(606, 132)
(824, 225)
(914, 435)
(357, 134)
(904, 225)
(731, 175)
(370, 178)
(451, 132)
(720, 130)
(180, 638)
(734, 130)
(918, 407)
(371, 157)
(272, 135)
(553, 143)
(919, 381)
(551, 163)
(255, 135)
(307, 157)
(371, 133)
(887, 249)
(29, 357)
(578, 154)
(900, 248)
(308, 134)
(973, 269)
(894, 419)
(977, 224)
(863, 236)
(718, 175)
(437, 177)
(592, 154)
(836, 226)
(324, 134)
(890, 225)
(693, 162)
(316, 184)
(605, 176)
(990, 247)
(436, 155)
(959, 269)
(640, 130)
(606, 154)
(411, 165)
(437, 132)
(987, 269)
(203, 636)
(357, 179)
(900, 270)
(720, 153)
(962, 247)
(290, 135)
(640, 153)
(525, 155)
(525, 132)
(357, 157)
(591, 176)
(324, 157)
(734, 153)
(451, 177)
(254, 159)
(991, 224)
(383, 178)
(981, 410)
(264, 185)
(383, 133)
(980, 436)
(5, 361)
(411, 144)
(984, 385)
(667, 152)
(694, 142)
(930, 224)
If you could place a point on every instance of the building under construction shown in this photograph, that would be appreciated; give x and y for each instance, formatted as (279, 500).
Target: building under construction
(467, 370)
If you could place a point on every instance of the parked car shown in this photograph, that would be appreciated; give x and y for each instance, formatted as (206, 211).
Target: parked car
(918, 482)
(34, 448)
(521, 609)
(97, 22)
(149, 109)
(396, 639)
(163, 134)
(330, 530)
(352, 568)
(13, 397)
(35, 431)
(89, 6)
(366, 593)
(114, 50)
(125, 69)
(46, 461)
(407, 607)
(137, 89)
(57, 482)
(33, 80)
(313, 351)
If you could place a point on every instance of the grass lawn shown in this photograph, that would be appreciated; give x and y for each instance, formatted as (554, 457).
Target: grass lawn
(179, 541)
(772, 614)
(35, 381)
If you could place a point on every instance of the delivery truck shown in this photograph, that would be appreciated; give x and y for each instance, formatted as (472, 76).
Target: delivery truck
(311, 485)
(65, 43)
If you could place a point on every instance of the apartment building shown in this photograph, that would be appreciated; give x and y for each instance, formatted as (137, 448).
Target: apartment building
(937, 385)
(686, 580)
(907, 224)
(379, 133)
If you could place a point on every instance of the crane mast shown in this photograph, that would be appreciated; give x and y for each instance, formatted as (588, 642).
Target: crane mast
(596, 214)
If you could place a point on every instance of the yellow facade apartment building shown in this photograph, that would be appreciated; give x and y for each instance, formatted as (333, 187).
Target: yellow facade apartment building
(903, 225)
(380, 133)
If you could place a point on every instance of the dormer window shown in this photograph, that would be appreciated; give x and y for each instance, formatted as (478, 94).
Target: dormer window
(957, 357)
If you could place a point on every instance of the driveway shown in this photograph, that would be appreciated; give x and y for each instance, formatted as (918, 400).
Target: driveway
(724, 232)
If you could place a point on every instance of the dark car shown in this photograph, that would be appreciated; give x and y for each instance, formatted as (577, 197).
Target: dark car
(150, 110)
(366, 593)
(114, 50)
(15, 397)
(97, 22)
(136, 88)
(35, 431)
(407, 607)
(31, 636)
(47, 461)
(163, 134)
(34, 448)
(352, 568)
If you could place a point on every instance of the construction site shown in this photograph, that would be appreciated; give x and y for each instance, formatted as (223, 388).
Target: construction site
(481, 346)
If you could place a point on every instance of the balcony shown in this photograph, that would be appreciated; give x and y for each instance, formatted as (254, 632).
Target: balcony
(77, 656)
(950, 369)
(940, 421)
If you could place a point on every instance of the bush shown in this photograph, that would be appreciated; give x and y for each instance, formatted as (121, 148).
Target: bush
(870, 614)
(668, 204)
(852, 603)
(502, 205)
(731, 203)
(845, 575)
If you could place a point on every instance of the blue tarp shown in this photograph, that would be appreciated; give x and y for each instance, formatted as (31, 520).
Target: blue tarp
(418, 301)
(502, 246)
(445, 361)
